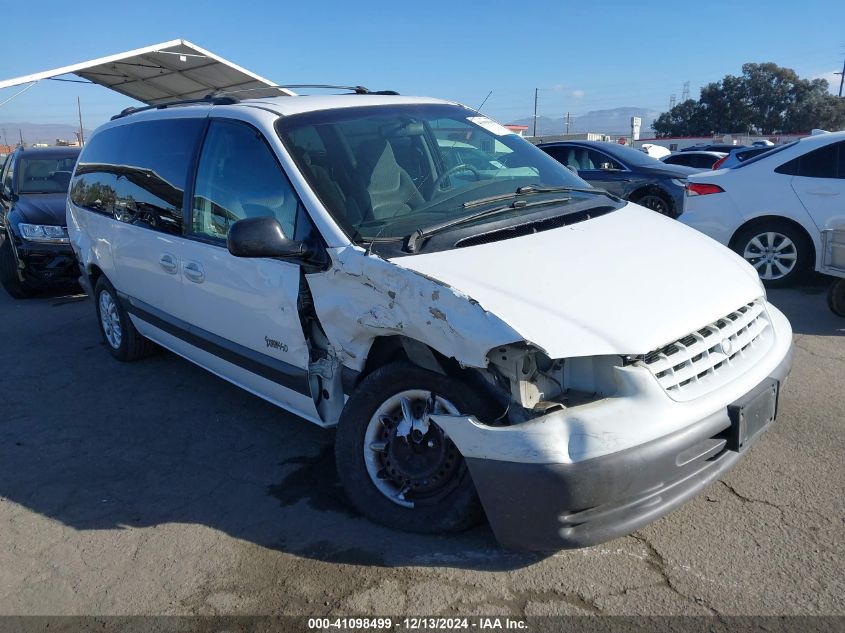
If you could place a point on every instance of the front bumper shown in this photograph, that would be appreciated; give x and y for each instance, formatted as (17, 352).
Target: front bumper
(545, 507)
(544, 494)
(44, 264)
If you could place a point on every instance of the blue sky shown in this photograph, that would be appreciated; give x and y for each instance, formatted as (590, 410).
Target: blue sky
(583, 55)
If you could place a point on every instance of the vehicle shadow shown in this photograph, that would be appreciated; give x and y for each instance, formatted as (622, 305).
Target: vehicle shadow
(100, 445)
(806, 307)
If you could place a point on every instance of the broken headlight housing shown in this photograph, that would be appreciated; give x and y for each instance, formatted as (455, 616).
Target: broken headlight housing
(539, 384)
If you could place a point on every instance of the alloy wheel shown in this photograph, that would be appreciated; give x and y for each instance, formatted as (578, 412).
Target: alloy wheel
(110, 320)
(655, 203)
(773, 254)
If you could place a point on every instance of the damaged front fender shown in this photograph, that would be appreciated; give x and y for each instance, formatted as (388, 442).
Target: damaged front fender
(362, 297)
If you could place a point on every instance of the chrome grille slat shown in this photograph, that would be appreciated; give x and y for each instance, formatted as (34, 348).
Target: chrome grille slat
(696, 364)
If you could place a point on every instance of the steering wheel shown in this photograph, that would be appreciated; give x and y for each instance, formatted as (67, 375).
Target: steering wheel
(454, 170)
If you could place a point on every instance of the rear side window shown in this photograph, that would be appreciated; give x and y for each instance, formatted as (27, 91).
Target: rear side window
(825, 162)
(678, 160)
(137, 173)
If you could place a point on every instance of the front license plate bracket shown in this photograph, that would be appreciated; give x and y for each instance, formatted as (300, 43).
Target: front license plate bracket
(752, 413)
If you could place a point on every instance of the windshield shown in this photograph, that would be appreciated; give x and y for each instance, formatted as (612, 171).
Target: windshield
(384, 172)
(45, 175)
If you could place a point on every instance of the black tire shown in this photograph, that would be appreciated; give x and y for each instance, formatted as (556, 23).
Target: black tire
(836, 297)
(132, 346)
(801, 247)
(9, 278)
(655, 201)
(455, 509)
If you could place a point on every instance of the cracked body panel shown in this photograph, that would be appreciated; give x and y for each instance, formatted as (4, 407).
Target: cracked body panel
(363, 297)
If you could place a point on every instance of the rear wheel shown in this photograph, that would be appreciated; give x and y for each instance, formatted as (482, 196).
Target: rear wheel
(780, 252)
(124, 342)
(655, 202)
(397, 466)
(9, 274)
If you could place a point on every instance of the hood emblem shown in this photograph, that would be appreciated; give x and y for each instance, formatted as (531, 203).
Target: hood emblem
(727, 347)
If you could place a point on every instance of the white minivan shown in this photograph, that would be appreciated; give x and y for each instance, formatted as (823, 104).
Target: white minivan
(489, 337)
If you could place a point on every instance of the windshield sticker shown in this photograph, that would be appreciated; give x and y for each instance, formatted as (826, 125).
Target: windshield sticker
(489, 125)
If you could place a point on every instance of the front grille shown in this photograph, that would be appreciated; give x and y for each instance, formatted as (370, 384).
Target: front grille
(714, 355)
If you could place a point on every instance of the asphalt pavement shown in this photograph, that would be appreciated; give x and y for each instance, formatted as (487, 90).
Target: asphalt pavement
(157, 488)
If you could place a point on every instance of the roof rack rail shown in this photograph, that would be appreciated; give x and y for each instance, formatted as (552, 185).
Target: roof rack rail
(213, 100)
(358, 90)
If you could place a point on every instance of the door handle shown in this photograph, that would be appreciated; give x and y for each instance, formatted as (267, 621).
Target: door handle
(194, 272)
(822, 192)
(168, 262)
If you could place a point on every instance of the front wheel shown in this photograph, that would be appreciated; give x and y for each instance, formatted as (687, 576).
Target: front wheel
(397, 467)
(836, 297)
(9, 275)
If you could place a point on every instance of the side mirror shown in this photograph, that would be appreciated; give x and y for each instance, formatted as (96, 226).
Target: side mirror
(607, 167)
(262, 237)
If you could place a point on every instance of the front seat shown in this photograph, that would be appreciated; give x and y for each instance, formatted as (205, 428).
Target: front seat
(585, 161)
(391, 190)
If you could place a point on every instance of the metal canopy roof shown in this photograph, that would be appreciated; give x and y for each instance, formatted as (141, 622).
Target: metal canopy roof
(163, 72)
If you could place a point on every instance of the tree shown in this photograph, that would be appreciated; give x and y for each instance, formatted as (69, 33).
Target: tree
(765, 99)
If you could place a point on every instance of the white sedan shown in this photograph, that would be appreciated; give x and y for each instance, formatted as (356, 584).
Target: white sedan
(772, 208)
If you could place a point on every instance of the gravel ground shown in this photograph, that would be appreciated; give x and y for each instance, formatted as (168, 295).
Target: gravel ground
(157, 488)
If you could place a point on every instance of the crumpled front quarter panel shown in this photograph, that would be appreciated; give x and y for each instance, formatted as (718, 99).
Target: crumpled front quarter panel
(362, 297)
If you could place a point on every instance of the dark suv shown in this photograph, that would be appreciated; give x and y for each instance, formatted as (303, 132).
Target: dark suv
(625, 172)
(34, 247)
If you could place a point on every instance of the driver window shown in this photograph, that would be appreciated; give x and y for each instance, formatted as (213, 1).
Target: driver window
(238, 177)
(602, 161)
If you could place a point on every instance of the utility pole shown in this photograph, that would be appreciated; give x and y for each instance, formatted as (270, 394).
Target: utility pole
(536, 91)
(685, 92)
(567, 122)
(20, 134)
(841, 78)
(81, 133)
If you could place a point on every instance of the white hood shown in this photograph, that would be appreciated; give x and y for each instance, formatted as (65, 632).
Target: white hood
(624, 283)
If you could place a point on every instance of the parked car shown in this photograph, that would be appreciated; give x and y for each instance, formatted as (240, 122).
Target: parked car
(772, 208)
(509, 339)
(35, 251)
(737, 156)
(713, 147)
(700, 160)
(628, 173)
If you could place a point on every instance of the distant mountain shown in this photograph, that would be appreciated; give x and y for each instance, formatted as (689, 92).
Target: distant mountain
(38, 132)
(614, 121)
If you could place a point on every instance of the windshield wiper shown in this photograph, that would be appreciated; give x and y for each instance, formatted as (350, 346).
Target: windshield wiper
(527, 190)
(423, 233)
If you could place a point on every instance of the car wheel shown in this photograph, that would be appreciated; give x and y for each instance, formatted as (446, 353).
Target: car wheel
(779, 251)
(836, 297)
(9, 276)
(119, 334)
(655, 202)
(397, 467)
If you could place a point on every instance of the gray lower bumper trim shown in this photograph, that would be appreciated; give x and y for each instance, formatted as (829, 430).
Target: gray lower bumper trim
(545, 507)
